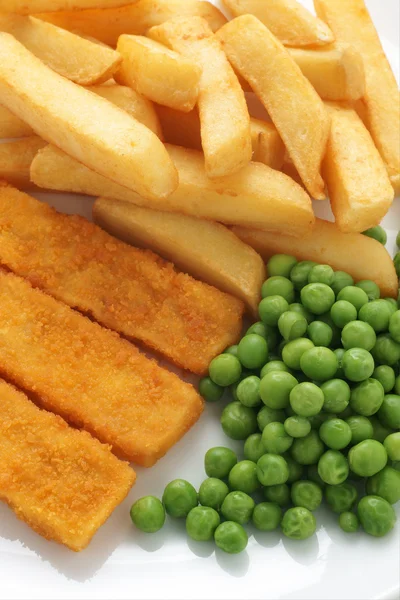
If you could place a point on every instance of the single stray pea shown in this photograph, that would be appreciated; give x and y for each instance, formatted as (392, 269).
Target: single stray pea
(348, 522)
(179, 498)
(377, 233)
(201, 523)
(267, 516)
(231, 537)
(298, 523)
(148, 514)
(376, 515)
(210, 391)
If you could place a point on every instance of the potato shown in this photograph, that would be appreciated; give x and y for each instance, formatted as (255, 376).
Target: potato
(158, 73)
(16, 158)
(358, 184)
(336, 71)
(136, 18)
(352, 24)
(257, 196)
(24, 7)
(292, 103)
(68, 54)
(86, 126)
(208, 251)
(267, 144)
(12, 126)
(224, 117)
(131, 102)
(359, 255)
(288, 20)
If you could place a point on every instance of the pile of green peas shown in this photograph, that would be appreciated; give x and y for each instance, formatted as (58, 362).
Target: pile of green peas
(314, 394)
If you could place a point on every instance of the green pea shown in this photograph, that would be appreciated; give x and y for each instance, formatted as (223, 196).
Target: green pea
(356, 296)
(243, 477)
(279, 494)
(385, 484)
(212, 493)
(370, 288)
(281, 265)
(367, 458)
(341, 498)
(358, 334)
(358, 364)
(340, 281)
(295, 469)
(376, 515)
(278, 286)
(272, 469)
(201, 523)
(238, 507)
(148, 514)
(253, 351)
(335, 433)
(238, 421)
(313, 475)
(297, 427)
(210, 391)
(275, 439)
(339, 353)
(269, 415)
(367, 397)
(389, 412)
(273, 365)
(380, 431)
(292, 325)
(271, 308)
(306, 399)
(392, 446)
(267, 516)
(300, 272)
(394, 326)
(392, 304)
(336, 395)
(306, 494)
(231, 537)
(397, 386)
(320, 333)
(294, 350)
(343, 312)
(396, 262)
(386, 377)
(318, 298)
(307, 450)
(361, 428)
(248, 391)
(219, 461)
(269, 333)
(298, 523)
(377, 314)
(275, 389)
(377, 233)
(179, 498)
(321, 274)
(333, 467)
(319, 364)
(349, 522)
(225, 369)
(233, 350)
(386, 350)
(301, 310)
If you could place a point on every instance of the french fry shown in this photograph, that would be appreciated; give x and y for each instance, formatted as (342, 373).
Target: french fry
(206, 250)
(16, 158)
(288, 20)
(359, 187)
(158, 73)
(108, 24)
(357, 254)
(267, 144)
(22, 7)
(257, 196)
(352, 24)
(336, 71)
(131, 102)
(292, 103)
(12, 126)
(224, 117)
(68, 54)
(86, 126)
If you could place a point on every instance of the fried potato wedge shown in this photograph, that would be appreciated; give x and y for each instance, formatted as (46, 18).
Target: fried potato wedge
(16, 158)
(131, 102)
(267, 144)
(257, 196)
(23, 7)
(358, 183)
(12, 126)
(158, 73)
(63, 113)
(292, 103)
(108, 24)
(208, 251)
(352, 24)
(64, 52)
(288, 20)
(336, 71)
(224, 116)
(359, 255)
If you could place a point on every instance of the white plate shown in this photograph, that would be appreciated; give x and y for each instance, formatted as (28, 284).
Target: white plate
(122, 563)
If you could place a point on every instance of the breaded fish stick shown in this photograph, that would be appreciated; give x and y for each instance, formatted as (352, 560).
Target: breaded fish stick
(60, 481)
(90, 376)
(128, 290)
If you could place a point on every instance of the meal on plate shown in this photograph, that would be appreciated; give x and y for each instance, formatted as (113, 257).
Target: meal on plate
(202, 212)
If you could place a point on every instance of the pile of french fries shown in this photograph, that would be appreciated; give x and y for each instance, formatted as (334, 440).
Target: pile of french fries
(143, 105)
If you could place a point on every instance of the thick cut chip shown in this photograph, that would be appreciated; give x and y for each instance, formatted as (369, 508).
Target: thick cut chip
(126, 289)
(224, 116)
(108, 25)
(30, 7)
(292, 103)
(358, 184)
(352, 24)
(355, 253)
(12, 126)
(90, 376)
(62, 482)
(158, 73)
(95, 132)
(257, 196)
(207, 250)
(16, 158)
